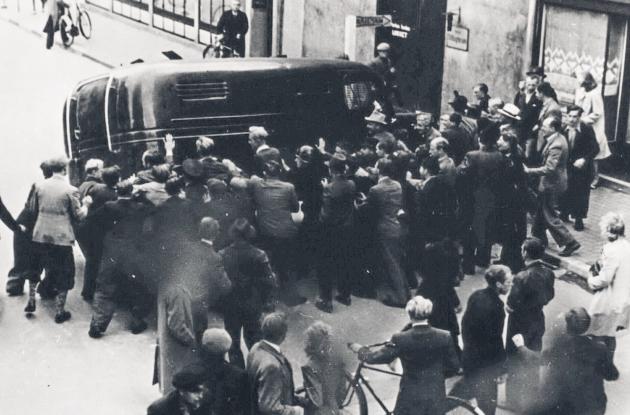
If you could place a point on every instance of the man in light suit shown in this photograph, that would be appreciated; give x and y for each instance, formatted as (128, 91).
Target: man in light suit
(553, 184)
(269, 372)
(58, 209)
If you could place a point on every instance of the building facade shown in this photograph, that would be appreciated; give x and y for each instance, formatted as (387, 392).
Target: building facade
(439, 46)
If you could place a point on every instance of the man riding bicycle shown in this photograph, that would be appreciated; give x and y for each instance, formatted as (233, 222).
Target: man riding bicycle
(428, 357)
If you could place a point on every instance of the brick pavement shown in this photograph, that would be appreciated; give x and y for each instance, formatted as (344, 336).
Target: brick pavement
(606, 198)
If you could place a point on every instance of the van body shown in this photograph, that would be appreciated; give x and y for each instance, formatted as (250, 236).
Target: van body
(117, 116)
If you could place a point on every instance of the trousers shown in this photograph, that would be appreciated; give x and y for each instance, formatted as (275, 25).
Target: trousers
(546, 218)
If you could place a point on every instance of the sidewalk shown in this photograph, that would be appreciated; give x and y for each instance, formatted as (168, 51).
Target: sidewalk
(115, 40)
(604, 199)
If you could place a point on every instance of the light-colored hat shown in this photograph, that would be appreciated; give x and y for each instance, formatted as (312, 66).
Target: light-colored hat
(510, 111)
(258, 132)
(383, 47)
(376, 117)
(216, 341)
(93, 164)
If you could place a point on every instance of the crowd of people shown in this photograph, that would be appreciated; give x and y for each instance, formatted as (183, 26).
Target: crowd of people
(406, 209)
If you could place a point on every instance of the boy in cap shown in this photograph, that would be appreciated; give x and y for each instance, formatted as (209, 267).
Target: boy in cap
(190, 396)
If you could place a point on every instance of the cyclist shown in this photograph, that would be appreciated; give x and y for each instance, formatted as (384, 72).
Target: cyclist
(428, 357)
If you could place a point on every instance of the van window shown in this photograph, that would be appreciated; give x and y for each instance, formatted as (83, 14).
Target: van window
(90, 113)
(358, 95)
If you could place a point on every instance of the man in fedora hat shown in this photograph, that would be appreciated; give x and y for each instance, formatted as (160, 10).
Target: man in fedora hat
(459, 103)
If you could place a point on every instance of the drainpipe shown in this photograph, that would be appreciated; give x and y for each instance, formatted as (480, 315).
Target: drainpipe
(530, 34)
(279, 28)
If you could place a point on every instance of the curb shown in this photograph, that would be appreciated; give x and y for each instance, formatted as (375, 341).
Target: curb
(75, 50)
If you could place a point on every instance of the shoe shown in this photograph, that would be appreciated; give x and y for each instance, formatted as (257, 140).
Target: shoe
(88, 298)
(95, 333)
(138, 327)
(565, 218)
(579, 225)
(343, 300)
(595, 184)
(570, 248)
(63, 316)
(30, 307)
(325, 306)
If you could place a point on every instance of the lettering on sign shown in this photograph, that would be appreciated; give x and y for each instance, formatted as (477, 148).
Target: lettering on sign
(378, 20)
(399, 33)
(457, 38)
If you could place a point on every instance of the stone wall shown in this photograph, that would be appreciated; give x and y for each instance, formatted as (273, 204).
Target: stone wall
(495, 51)
(320, 25)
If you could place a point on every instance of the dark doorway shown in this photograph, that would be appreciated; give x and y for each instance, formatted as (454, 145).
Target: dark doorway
(417, 40)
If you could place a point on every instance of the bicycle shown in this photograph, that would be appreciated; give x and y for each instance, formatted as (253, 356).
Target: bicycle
(69, 28)
(219, 51)
(355, 401)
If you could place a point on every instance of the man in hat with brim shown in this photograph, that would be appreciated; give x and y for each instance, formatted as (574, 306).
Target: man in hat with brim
(227, 383)
(459, 103)
(189, 397)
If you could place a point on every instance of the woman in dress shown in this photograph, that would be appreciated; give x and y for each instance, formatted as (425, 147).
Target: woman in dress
(610, 308)
(589, 97)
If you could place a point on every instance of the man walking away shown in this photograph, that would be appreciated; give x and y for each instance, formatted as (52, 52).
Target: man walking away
(482, 330)
(531, 291)
(553, 184)
(58, 207)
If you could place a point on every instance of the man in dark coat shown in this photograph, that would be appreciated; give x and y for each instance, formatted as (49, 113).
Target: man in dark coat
(530, 106)
(193, 286)
(385, 200)
(336, 220)
(577, 366)
(436, 203)
(482, 330)
(532, 289)
(233, 25)
(91, 241)
(583, 148)
(459, 142)
(227, 383)
(478, 178)
(428, 357)
(254, 287)
(269, 372)
(190, 394)
(23, 247)
(119, 224)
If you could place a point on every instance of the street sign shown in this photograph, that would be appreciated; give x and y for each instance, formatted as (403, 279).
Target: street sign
(384, 20)
(457, 38)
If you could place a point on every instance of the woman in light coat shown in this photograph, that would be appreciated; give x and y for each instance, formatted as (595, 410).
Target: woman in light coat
(610, 307)
(589, 97)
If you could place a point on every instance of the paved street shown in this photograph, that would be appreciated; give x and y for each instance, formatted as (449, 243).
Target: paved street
(58, 369)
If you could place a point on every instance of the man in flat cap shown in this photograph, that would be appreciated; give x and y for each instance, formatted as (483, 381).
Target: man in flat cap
(189, 397)
(227, 383)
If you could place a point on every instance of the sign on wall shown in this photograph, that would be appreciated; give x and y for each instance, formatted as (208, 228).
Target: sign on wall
(378, 20)
(457, 38)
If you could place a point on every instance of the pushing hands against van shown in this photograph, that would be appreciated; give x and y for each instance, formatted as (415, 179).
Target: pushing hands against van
(169, 144)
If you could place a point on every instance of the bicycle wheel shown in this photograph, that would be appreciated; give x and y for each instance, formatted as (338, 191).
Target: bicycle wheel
(85, 24)
(65, 29)
(354, 402)
(460, 407)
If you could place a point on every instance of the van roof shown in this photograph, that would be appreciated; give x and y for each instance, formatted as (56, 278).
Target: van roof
(236, 65)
